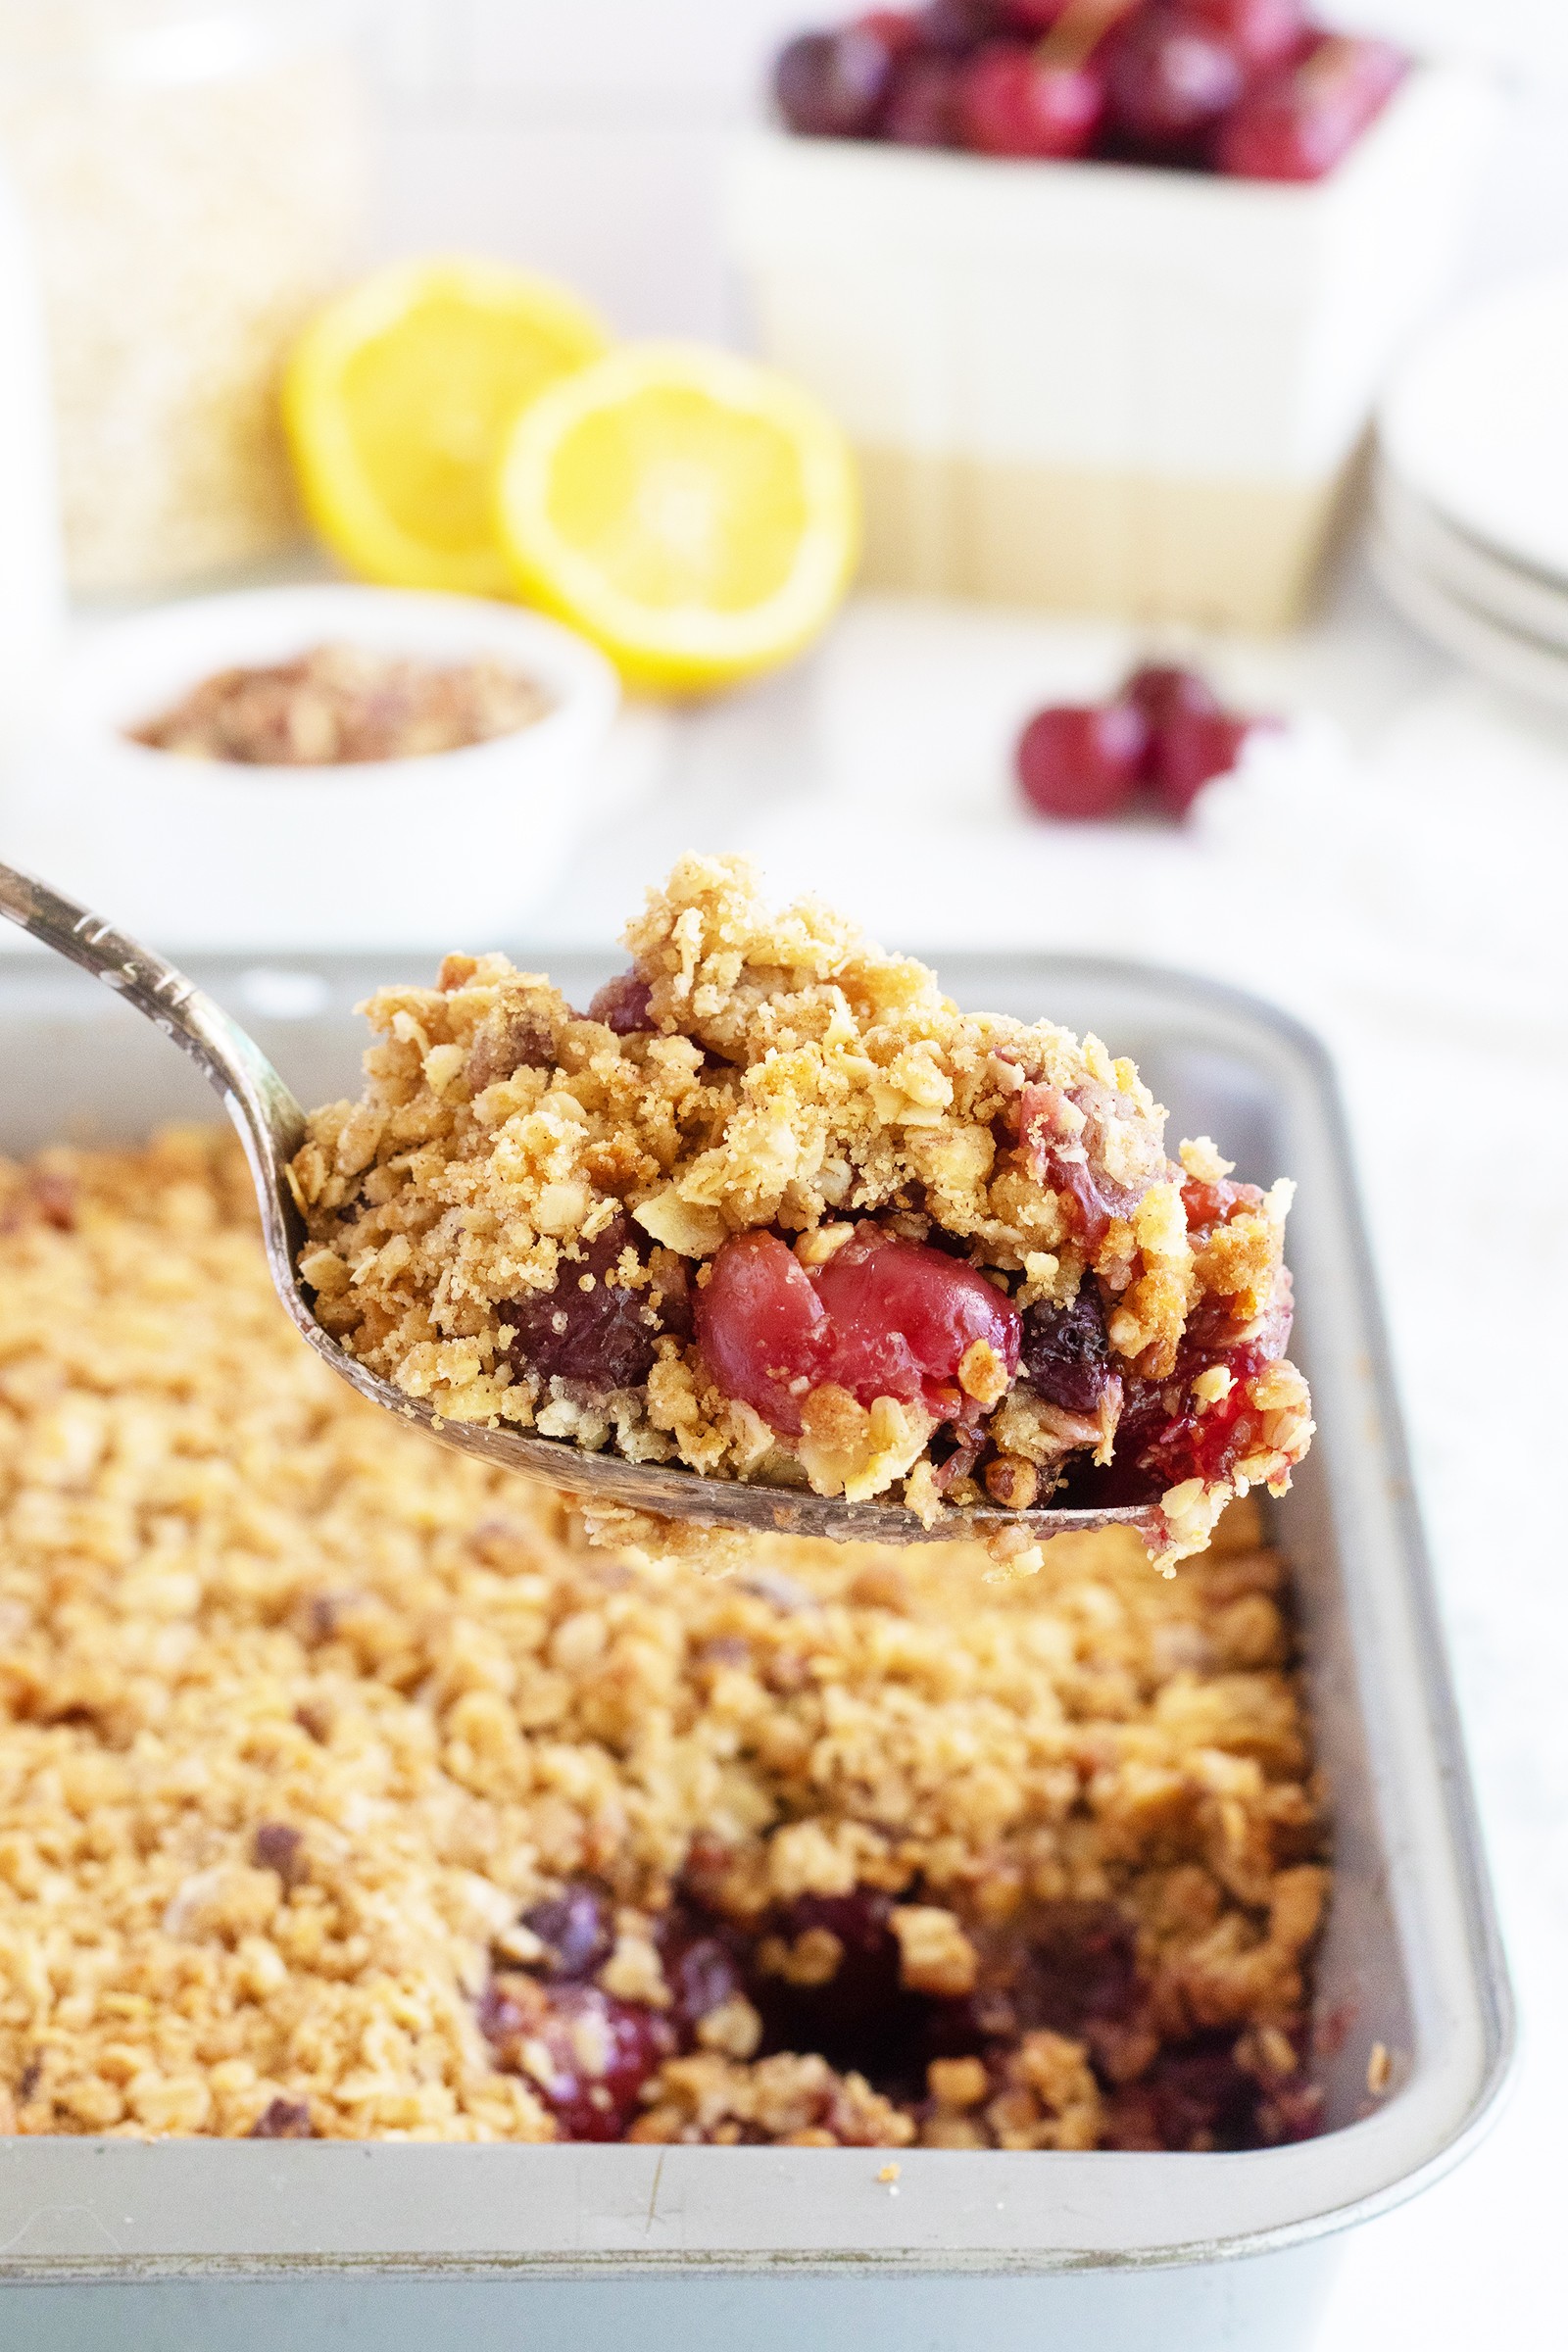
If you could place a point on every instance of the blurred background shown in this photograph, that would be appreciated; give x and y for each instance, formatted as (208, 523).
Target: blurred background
(1295, 440)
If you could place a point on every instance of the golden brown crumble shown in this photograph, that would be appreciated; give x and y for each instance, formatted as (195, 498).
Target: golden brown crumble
(757, 1071)
(303, 1713)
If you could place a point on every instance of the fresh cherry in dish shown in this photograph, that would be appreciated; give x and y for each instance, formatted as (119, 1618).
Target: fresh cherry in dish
(1298, 123)
(1261, 35)
(831, 85)
(1169, 81)
(924, 103)
(957, 28)
(1011, 103)
(1250, 89)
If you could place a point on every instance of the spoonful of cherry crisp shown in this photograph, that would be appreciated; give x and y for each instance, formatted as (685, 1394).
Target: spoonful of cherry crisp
(772, 1238)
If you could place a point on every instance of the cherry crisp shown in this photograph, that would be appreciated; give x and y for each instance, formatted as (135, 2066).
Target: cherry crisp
(347, 1793)
(775, 1209)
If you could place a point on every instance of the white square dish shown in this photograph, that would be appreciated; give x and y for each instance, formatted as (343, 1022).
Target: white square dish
(1101, 387)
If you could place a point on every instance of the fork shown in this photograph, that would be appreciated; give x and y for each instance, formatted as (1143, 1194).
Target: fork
(271, 1127)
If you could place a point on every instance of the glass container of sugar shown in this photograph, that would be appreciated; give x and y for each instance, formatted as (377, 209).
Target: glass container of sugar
(195, 175)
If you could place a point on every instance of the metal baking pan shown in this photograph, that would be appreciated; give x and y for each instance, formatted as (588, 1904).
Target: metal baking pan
(203, 2243)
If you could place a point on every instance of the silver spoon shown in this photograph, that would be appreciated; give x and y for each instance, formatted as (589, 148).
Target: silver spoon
(272, 1128)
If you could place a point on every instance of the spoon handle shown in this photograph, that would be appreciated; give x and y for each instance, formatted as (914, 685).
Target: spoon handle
(271, 1123)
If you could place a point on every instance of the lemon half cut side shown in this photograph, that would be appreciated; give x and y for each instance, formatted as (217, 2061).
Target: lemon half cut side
(396, 402)
(694, 514)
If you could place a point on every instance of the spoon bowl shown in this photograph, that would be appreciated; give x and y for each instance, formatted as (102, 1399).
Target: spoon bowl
(270, 1125)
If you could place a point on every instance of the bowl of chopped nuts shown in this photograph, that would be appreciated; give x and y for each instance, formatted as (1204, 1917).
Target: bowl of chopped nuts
(325, 764)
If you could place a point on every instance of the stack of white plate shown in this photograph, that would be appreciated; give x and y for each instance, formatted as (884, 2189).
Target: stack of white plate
(1470, 528)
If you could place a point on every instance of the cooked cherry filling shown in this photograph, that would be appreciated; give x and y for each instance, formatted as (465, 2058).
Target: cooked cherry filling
(622, 1005)
(1162, 1438)
(823, 1973)
(587, 2053)
(1057, 1132)
(883, 1317)
(1206, 1445)
(591, 1328)
(875, 1314)
(1065, 1354)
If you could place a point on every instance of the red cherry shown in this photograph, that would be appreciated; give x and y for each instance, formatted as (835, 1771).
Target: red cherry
(601, 1336)
(1169, 81)
(955, 28)
(1299, 123)
(923, 107)
(1262, 34)
(1012, 105)
(702, 1974)
(904, 1315)
(831, 85)
(896, 30)
(1158, 690)
(1194, 747)
(587, 2053)
(575, 1929)
(1192, 738)
(760, 1325)
(1066, 1354)
(1079, 761)
(883, 1318)
(1034, 16)
(621, 1004)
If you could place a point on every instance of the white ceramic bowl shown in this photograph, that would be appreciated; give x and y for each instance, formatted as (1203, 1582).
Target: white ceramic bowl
(452, 849)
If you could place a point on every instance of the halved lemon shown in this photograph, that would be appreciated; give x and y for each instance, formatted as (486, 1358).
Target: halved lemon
(697, 516)
(397, 399)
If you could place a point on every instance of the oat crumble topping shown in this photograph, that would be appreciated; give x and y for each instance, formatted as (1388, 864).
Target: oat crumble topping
(345, 1793)
(776, 1208)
